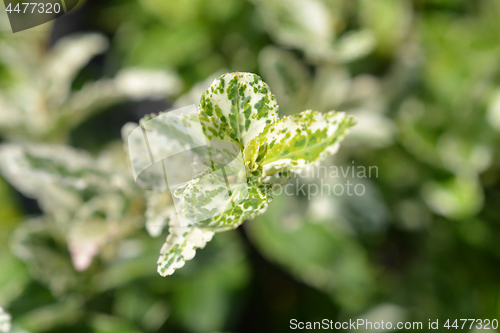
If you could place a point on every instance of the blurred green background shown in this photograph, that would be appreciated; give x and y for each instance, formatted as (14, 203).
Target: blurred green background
(422, 78)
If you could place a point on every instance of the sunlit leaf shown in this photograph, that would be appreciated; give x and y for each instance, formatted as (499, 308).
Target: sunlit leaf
(297, 142)
(233, 207)
(237, 106)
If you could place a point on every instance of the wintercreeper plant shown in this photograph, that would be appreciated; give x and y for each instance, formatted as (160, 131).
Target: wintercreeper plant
(240, 109)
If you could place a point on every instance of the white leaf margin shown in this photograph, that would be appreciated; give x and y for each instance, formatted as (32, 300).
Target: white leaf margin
(181, 246)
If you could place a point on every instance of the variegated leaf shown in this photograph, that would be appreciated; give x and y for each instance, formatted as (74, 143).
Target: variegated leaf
(297, 142)
(74, 52)
(58, 176)
(134, 84)
(183, 241)
(237, 106)
(90, 199)
(253, 204)
(238, 113)
(210, 203)
(180, 246)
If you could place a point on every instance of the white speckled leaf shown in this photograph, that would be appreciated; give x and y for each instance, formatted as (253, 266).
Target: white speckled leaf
(297, 142)
(180, 246)
(252, 203)
(237, 106)
(218, 209)
(182, 242)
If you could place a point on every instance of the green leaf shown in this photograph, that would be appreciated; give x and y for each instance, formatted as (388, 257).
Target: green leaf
(63, 313)
(457, 198)
(103, 323)
(317, 252)
(203, 289)
(237, 106)
(289, 77)
(14, 278)
(297, 142)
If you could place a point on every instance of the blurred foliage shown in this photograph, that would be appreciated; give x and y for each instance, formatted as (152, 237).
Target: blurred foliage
(422, 78)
